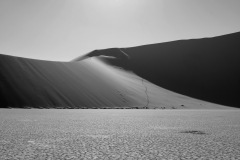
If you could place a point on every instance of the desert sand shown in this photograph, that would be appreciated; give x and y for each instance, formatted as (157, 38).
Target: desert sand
(206, 69)
(181, 74)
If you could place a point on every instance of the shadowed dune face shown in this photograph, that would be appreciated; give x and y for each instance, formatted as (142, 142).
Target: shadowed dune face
(207, 69)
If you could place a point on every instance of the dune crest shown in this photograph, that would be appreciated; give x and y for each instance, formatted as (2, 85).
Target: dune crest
(206, 69)
(129, 77)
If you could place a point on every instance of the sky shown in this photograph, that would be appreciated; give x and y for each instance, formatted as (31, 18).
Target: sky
(61, 30)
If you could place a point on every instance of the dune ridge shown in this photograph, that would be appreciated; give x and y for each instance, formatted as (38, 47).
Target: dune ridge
(128, 77)
(206, 69)
(86, 84)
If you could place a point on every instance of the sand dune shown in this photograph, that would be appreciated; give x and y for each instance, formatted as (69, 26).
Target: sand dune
(86, 84)
(128, 78)
(207, 69)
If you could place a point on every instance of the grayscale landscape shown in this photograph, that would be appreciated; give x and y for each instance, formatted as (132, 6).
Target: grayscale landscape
(119, 134)
(119, 80)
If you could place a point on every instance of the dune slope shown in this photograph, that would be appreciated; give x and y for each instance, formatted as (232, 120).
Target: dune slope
(35, 83)
(89, 83)
(206, 69)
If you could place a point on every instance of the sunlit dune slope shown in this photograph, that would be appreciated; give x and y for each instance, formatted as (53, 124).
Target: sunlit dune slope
(206, 69)
(89, 83)
(35, 83)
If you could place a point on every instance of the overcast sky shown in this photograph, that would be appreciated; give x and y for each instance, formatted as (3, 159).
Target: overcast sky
(62, 30)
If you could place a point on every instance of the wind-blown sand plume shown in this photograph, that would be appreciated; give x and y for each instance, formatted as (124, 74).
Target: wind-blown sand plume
(127, 78)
